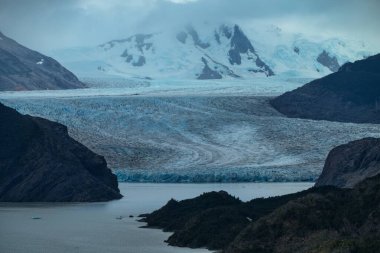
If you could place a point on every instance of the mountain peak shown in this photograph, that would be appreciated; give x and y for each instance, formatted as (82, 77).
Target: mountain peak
(205, 52)
(231, 51)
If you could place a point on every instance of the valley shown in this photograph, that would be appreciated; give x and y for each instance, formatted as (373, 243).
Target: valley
(195, 132)
(194, 126)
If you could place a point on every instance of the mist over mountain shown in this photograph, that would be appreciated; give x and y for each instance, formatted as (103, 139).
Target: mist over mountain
(46, 25)
(213, 51)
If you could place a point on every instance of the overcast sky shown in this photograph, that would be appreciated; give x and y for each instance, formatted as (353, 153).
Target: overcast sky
(50, 24)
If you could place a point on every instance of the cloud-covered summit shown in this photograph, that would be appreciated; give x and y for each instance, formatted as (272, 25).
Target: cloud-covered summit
(50, 24)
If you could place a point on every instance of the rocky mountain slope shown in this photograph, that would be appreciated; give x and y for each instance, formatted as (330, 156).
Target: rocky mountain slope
(212, 51)
(25, 69)
(335, 221)
(321, 219)
(350, 95)
(348, 164)
(40, 162)
(215, 213)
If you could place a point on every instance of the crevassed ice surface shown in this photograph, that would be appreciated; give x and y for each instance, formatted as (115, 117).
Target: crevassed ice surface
(207, 132)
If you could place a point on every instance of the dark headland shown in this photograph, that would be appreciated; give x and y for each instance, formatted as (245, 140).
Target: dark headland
(39, 161)
(325, 218)
(352, 94)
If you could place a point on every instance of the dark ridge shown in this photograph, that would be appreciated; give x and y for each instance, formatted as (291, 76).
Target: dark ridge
(40, 162)
(226, 31)
(328, 61)
(321, 219)
(350, 95)
(222, 69)
(182, 210)
(240, 44)
(335, 221)
(351, 163)
(265, 68)
(140, 44)
(138, 38)
(112, 43)
(196, 39)
(369, 64)
(11, 65)
(211, 222)
(208, 73)
(25, 69)
(225, 222)
(140, 41)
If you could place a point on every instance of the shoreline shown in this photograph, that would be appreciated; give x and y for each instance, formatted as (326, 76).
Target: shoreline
(95, 227)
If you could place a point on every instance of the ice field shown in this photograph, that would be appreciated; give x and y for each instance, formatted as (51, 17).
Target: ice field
(171, 131)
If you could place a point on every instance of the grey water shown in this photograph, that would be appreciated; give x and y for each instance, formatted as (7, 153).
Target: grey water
(107, 227)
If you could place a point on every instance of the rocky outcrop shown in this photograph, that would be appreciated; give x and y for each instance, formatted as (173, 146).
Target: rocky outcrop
(213, 219)
(197, 41)
(321, 219)
(138, 43)
(208, 73)
(333, 221)
(350, 95)
(182, 210)
(195, 219)
(39, 161)
(241, 45)
(25, 69)
(328, 61)
(351, 163)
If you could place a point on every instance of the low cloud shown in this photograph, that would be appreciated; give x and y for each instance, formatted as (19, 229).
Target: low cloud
(49, 24)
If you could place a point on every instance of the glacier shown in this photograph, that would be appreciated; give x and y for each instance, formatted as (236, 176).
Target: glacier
(193, 131)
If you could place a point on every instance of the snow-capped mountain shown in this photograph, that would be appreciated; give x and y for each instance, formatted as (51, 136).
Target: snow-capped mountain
(213, 52)
(300, 55)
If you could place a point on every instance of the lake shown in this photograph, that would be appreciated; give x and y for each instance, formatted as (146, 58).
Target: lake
(95, 227)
